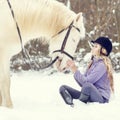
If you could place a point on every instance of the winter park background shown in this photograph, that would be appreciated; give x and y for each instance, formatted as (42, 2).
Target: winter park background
(35, 92)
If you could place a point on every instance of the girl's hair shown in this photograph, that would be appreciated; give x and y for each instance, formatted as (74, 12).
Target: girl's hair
(108, 64)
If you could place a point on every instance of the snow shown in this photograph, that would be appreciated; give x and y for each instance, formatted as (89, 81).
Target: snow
(36, 96)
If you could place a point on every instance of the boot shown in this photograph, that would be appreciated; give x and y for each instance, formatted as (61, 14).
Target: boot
(84, 98)
(67, 97)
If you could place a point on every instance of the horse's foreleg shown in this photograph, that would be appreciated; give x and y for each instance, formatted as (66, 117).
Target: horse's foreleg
(5, 98)
(5, 93)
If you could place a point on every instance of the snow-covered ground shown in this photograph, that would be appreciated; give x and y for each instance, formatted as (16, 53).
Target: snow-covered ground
(36, 96)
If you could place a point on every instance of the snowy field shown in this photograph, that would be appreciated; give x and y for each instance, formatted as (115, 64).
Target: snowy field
(36, 96)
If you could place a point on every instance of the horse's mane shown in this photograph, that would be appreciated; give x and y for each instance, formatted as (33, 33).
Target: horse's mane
(44, 15)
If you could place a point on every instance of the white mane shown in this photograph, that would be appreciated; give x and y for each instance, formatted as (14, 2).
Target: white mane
(41, 16)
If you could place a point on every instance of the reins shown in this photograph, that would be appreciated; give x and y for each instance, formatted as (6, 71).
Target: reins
(60, 50)
(16, 24)
(24, 53)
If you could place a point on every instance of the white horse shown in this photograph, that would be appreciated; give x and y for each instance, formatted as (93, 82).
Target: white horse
(36, 18)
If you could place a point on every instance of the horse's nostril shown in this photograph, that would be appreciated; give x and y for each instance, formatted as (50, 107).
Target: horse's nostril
(64, 68)
(59, 59)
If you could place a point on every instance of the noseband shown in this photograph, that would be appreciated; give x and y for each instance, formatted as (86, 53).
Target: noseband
(62, 51)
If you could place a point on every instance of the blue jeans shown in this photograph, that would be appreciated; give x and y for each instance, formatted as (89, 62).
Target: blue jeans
(89, 93)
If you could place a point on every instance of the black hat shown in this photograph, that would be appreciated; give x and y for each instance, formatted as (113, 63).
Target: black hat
(105, 43)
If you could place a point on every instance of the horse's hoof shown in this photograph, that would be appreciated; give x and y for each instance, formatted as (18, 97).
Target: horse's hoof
(9, 106)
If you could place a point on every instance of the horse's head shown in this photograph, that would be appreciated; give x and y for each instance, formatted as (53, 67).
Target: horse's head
(65, 42)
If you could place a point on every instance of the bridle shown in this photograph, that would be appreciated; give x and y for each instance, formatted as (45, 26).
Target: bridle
(61, 50)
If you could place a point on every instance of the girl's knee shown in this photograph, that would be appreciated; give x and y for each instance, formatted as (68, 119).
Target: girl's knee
(88, 85)
(62, 88)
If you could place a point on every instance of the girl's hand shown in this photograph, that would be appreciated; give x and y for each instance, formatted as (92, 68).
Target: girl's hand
(72, 66)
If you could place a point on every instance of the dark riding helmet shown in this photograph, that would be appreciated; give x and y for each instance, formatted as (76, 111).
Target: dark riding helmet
(105, 43)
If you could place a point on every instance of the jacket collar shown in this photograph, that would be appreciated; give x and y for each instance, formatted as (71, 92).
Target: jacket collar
(95, 59)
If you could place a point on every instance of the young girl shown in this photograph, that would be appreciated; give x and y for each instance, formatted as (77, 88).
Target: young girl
(97, 82)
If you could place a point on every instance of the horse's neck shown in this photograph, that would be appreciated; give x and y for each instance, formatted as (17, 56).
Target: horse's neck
(45, 20)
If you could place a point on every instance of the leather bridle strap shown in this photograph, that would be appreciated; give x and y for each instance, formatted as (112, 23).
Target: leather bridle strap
(18, 30)
(50, 64)
(65, 40)
(20, 37)
(66, 37)
(24, 53)
(70, 56)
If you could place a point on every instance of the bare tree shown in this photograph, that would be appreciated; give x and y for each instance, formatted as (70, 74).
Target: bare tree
(102, 18)
(117, 13)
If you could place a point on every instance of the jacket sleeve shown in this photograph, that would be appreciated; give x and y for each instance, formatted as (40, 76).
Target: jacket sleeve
(95, 74)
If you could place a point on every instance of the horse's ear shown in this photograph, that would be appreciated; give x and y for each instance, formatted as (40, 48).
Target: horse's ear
(78, 16)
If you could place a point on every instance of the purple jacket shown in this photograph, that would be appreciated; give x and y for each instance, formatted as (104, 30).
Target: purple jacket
(97, 75)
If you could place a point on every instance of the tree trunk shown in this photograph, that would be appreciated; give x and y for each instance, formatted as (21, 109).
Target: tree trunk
(118, 22)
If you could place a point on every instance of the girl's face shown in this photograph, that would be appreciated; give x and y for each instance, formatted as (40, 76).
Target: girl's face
(96, 49)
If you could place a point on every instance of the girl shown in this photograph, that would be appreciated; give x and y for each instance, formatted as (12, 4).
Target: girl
(97, 82)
